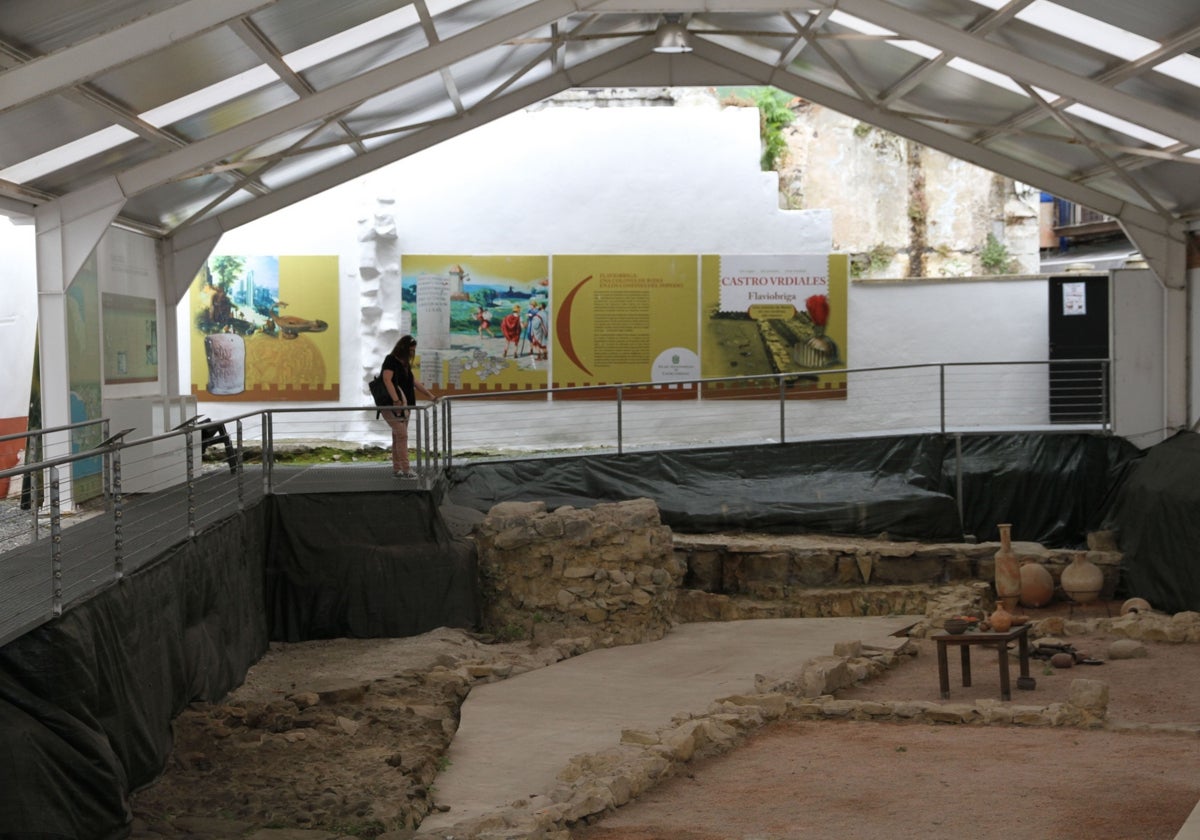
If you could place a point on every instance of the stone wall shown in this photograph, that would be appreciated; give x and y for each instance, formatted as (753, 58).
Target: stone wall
(793, 567)
(901, 209)
(605, 576)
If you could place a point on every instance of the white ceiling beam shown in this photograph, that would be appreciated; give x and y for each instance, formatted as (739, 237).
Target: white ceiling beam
(342, 97)
(77, 64)
(1023, 67)
(12, 207)
(492, 109)
(1011, 167)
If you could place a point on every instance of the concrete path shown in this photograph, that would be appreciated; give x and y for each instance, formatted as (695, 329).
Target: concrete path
(516, 735)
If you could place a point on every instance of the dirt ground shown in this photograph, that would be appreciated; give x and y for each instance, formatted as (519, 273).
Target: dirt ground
(348, 736)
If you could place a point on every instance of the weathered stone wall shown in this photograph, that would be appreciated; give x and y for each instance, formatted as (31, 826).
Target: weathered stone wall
(904, 210)
(607, 575)
(792, 567)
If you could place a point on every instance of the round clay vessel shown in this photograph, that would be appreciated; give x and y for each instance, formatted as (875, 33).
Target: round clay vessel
(1136, 605)
(1007, 570)
(1062, 660)
(1037, 586)
(1082, 580)
(1001, 619)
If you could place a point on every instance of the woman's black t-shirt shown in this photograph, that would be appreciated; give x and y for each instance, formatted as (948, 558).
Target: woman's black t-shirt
(402, 378)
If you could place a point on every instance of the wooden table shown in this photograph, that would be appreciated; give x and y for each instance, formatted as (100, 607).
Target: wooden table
(1000, 641)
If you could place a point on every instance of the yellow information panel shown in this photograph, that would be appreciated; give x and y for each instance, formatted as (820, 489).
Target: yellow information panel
(266, 328)
(767, 314)
(622, 319)
(482, 323)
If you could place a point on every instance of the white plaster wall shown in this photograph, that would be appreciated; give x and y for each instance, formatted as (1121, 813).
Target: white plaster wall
(1137, 349)
(18, 314)
(553, 181)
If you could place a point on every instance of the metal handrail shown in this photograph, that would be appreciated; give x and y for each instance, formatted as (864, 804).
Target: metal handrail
(433, 440)
(68, 427)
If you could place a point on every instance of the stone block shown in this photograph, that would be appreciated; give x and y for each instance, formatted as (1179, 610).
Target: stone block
(812, 569)
(849, 649)
(824, 675)
(1127, 649)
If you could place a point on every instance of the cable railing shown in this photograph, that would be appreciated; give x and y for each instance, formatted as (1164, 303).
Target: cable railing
(140, 496)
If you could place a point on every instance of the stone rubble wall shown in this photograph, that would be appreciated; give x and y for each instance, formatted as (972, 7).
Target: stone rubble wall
(789, 567)
(606, 574)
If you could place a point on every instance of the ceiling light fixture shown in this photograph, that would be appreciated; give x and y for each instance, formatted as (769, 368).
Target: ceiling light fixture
(672, 36)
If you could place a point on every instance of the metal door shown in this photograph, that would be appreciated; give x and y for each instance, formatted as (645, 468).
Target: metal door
(1079, 329)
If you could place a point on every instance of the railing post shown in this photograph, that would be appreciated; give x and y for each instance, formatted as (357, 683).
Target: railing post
(435, 437)
(782, 410)
(241, 492)
(942, 396)
(191, 484)
(107, 469)
(1106, 417)
(56, 568)
(446, 426)
(620, 420)
(118, 516)
(958, 491)
(267, 454)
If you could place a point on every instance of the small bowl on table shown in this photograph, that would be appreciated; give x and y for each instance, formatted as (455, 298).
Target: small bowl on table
(956, 626)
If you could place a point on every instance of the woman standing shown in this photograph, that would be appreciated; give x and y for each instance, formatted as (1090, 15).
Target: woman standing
(403, 387)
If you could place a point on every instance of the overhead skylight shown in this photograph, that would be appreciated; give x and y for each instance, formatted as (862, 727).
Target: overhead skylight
(352, 39)
(1124, 126)
(1071, 24)
(1084, 29)
(223, 91)
(65, 155)
(210, 97)
(1185, 68)
(858, 24)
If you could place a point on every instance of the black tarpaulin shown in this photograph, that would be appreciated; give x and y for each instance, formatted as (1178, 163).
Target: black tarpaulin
(1052, 487)
(86, 701)
(851, 487)
(1156, 516)
(365, 565)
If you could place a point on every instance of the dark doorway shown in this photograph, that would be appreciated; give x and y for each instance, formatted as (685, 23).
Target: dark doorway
(1078, 330)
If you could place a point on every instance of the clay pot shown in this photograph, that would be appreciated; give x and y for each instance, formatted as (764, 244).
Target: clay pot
(1062, 660)
(1008, 570)
(1001, 619)
(1082, 580)
(1037, 585)
(1135, 605)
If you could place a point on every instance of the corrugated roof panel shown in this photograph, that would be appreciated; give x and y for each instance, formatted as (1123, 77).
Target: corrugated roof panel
(302, 166)
(464, 17)
(295, 24)
(1053, 49)
(235, 112)
(1160, 20)
(86, 171)
(852, 60)
(418, 101)
(395, 46)
(45, 124)
(177, 71)
(49, 25)
(483, 73)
